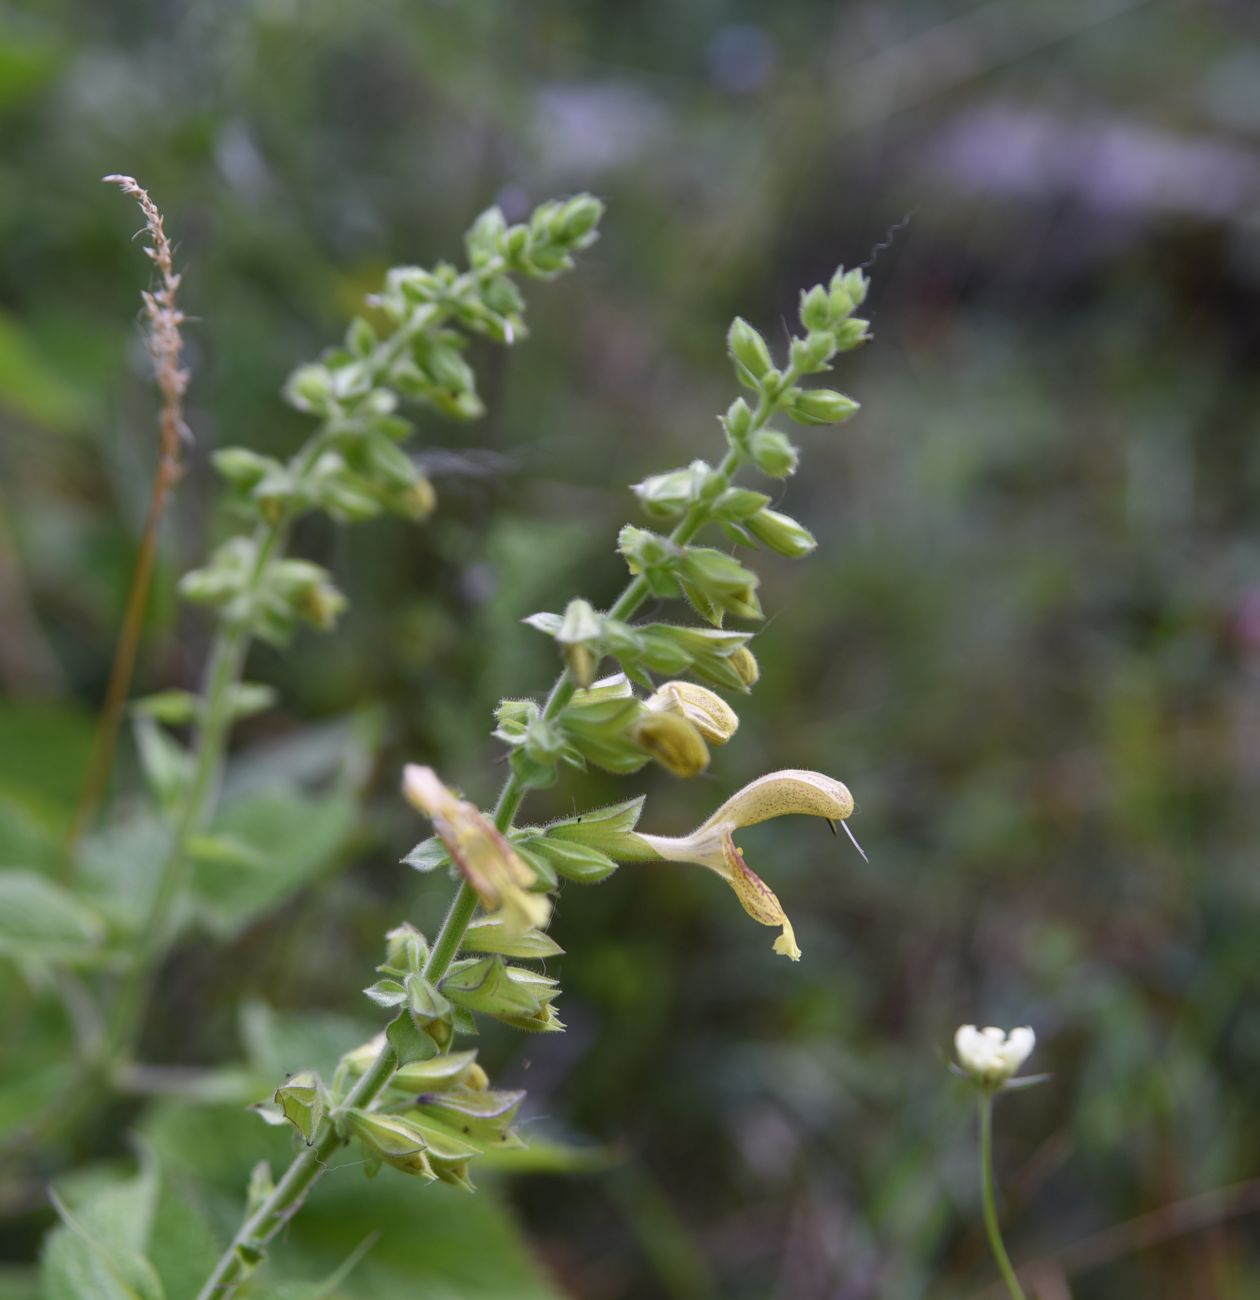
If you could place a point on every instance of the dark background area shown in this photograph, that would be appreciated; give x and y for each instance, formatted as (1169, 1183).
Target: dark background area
(1029, 641)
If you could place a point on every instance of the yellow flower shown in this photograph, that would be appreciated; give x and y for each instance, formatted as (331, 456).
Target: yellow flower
(712, 844)
(674, 741)
(708, 712)
(497, 873)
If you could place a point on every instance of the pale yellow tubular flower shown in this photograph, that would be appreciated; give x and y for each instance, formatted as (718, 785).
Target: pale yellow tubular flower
(711, 845)
(674, 741)
(497, 873)
(708, 712)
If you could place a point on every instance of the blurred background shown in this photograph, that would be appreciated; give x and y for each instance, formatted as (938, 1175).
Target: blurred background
(1030, 640)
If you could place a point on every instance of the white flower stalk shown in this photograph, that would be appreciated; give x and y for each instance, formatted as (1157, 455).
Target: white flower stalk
(712, 845)
(991, 1056)
(497, 873)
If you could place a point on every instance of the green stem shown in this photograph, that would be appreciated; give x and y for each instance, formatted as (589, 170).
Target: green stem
(307, 1168)
(224, 668)
(249, 1245)
(990, 1206)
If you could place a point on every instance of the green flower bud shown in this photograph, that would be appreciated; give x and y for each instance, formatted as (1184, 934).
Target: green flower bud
(310, 388)
(815, 309)
(773, 453)
(485, 236)
(244, 468)
(651, 555)
(852, 333)
(664, 496)
(748, 349)
(448, 368)
(406, 949)
(812, 353)
(360, 337)
(821, 406)
(580, 216)
(738, 422)
(781, 533)
(209, 586)
(711, 578)
(854, 283)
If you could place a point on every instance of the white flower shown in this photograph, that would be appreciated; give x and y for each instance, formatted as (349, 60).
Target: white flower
(992, 1055)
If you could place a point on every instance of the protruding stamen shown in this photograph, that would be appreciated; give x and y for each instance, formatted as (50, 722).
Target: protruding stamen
(856, 845)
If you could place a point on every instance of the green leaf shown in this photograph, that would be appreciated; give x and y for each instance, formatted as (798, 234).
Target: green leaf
(44, 751)
(168, 766)
(278, 1044)
(174, 708)
(98, 1252)
(30, 383)
(549, 624)
(280, 840)
(428, 855)
(42, 921)
(248, 698)
(387, 993)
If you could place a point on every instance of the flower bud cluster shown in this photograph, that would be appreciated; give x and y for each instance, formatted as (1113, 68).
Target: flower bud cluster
(354, 467)
(438, 1115)
(827, 315)
(267, 596)
(608, 725)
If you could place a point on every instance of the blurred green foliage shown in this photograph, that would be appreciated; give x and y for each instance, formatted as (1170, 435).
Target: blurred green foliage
(1030, 639)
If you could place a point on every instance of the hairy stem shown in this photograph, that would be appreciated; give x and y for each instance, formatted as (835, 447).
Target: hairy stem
(224, 668)
(249, 1245)
(990, 1204)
